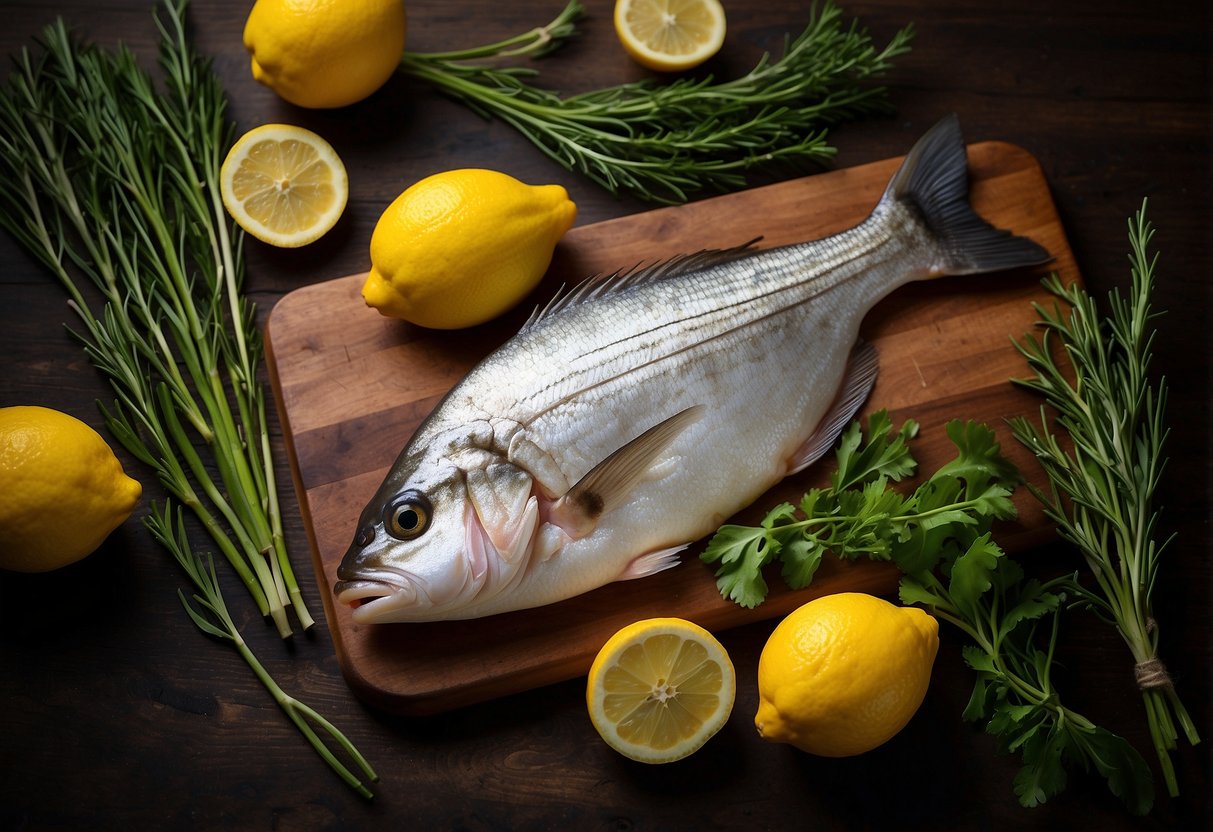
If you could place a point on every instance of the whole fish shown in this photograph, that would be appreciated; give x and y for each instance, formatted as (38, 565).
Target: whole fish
(632, 416)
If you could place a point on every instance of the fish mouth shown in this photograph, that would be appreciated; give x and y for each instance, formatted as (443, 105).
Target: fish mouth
(372, 598)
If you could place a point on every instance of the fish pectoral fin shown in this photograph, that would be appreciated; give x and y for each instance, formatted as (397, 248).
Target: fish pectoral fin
(862, 367)
(652, 562)
(608, 483)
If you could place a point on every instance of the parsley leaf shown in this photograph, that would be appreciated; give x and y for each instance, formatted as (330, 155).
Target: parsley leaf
(859, 514)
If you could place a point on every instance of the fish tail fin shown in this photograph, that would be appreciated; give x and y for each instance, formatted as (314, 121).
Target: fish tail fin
(934, 180)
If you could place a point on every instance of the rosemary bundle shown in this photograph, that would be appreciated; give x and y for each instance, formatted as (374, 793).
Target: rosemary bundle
(106, 179)
(662, 142)
(114, 187)
(1103, 480)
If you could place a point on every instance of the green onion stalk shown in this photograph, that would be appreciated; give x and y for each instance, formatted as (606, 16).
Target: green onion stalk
(111, 183)
(214, 619)
(1103, 480)
(664, 141)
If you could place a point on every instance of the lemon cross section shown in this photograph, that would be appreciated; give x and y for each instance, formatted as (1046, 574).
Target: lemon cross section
(284, 184)
(659, 689)
(670, 35)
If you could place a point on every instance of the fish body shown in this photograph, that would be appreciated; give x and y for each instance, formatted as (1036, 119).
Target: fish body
(634, 415)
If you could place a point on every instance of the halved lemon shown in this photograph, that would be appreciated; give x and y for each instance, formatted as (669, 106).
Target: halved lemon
(659, 689)
(283, 184)
(670, 35)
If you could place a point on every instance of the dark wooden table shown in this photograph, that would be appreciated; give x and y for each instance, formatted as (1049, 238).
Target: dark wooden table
(115, 712)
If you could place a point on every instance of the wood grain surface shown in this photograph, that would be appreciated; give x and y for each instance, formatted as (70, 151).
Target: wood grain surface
(117, 714)
(353, 386)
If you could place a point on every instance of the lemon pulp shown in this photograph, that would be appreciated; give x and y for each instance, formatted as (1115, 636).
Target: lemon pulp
(284, 185)
(659, 689)
(670, 35)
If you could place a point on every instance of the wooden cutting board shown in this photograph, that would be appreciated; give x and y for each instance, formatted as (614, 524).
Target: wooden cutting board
(352, 386)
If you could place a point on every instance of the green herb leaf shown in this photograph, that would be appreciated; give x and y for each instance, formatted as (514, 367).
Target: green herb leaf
(742, 552)
(800, 557)
(1128, 776)
(1043, 775)
(971, 575)
(979, 460)
(884, 454)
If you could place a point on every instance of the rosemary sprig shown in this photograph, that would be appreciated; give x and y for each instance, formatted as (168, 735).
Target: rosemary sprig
(662, 142)
(106, 179)
(102, 177)
(1102, 486)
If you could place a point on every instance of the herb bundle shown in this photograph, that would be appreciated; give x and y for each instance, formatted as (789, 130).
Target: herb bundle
(939, 538)
(110, 182)
(662, 142)
(1102, 482)
(107, 178)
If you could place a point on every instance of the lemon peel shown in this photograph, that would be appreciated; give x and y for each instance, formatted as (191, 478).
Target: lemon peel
(64, 490)
(659, 689)
(844, 673)
(461, 247)
(325, 53)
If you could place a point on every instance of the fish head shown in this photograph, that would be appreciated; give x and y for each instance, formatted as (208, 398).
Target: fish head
(444, 530)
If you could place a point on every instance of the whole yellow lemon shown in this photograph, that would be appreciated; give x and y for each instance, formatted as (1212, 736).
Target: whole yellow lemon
(64, 490)
(325, 53)
(844, 673)
(461, 247)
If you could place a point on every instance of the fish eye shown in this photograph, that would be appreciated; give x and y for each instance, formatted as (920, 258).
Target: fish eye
(407, 516)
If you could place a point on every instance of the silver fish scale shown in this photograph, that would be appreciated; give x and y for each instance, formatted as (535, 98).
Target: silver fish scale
(770, 324)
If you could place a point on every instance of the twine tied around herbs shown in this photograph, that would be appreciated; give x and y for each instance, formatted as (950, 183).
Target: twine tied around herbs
(1151, 674)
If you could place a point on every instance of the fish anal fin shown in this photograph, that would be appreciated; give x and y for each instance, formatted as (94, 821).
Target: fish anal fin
(860, 377)
(608, 483)
(652, 562)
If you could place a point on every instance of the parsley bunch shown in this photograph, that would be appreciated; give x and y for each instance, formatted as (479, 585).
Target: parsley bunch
(939, 536)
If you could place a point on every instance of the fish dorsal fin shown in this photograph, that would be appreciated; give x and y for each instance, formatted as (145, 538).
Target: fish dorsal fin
(599, 285)
(608, 483)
